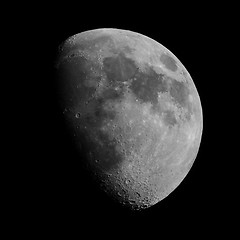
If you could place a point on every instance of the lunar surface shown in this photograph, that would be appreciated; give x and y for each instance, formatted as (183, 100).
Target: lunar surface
(133, 111)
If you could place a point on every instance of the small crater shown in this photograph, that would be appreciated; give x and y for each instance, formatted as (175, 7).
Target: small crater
(119, 194)
(66, 110)
(127, 181)
(78, 115)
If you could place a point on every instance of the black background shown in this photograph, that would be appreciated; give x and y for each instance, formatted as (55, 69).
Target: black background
(53, 191)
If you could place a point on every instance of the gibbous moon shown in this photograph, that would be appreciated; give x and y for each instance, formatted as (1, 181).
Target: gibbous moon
(133, 110)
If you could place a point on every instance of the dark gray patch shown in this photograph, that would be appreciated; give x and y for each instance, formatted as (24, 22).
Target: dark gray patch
(119, 69)
(179, 92)
(168, 62)
(146, 86)
(104, 151)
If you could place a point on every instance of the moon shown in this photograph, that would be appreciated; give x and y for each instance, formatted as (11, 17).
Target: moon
(133, 111)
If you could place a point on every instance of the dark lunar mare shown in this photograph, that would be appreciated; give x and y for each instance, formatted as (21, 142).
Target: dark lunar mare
(145, 85)
(179, 92)
(168, 62)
